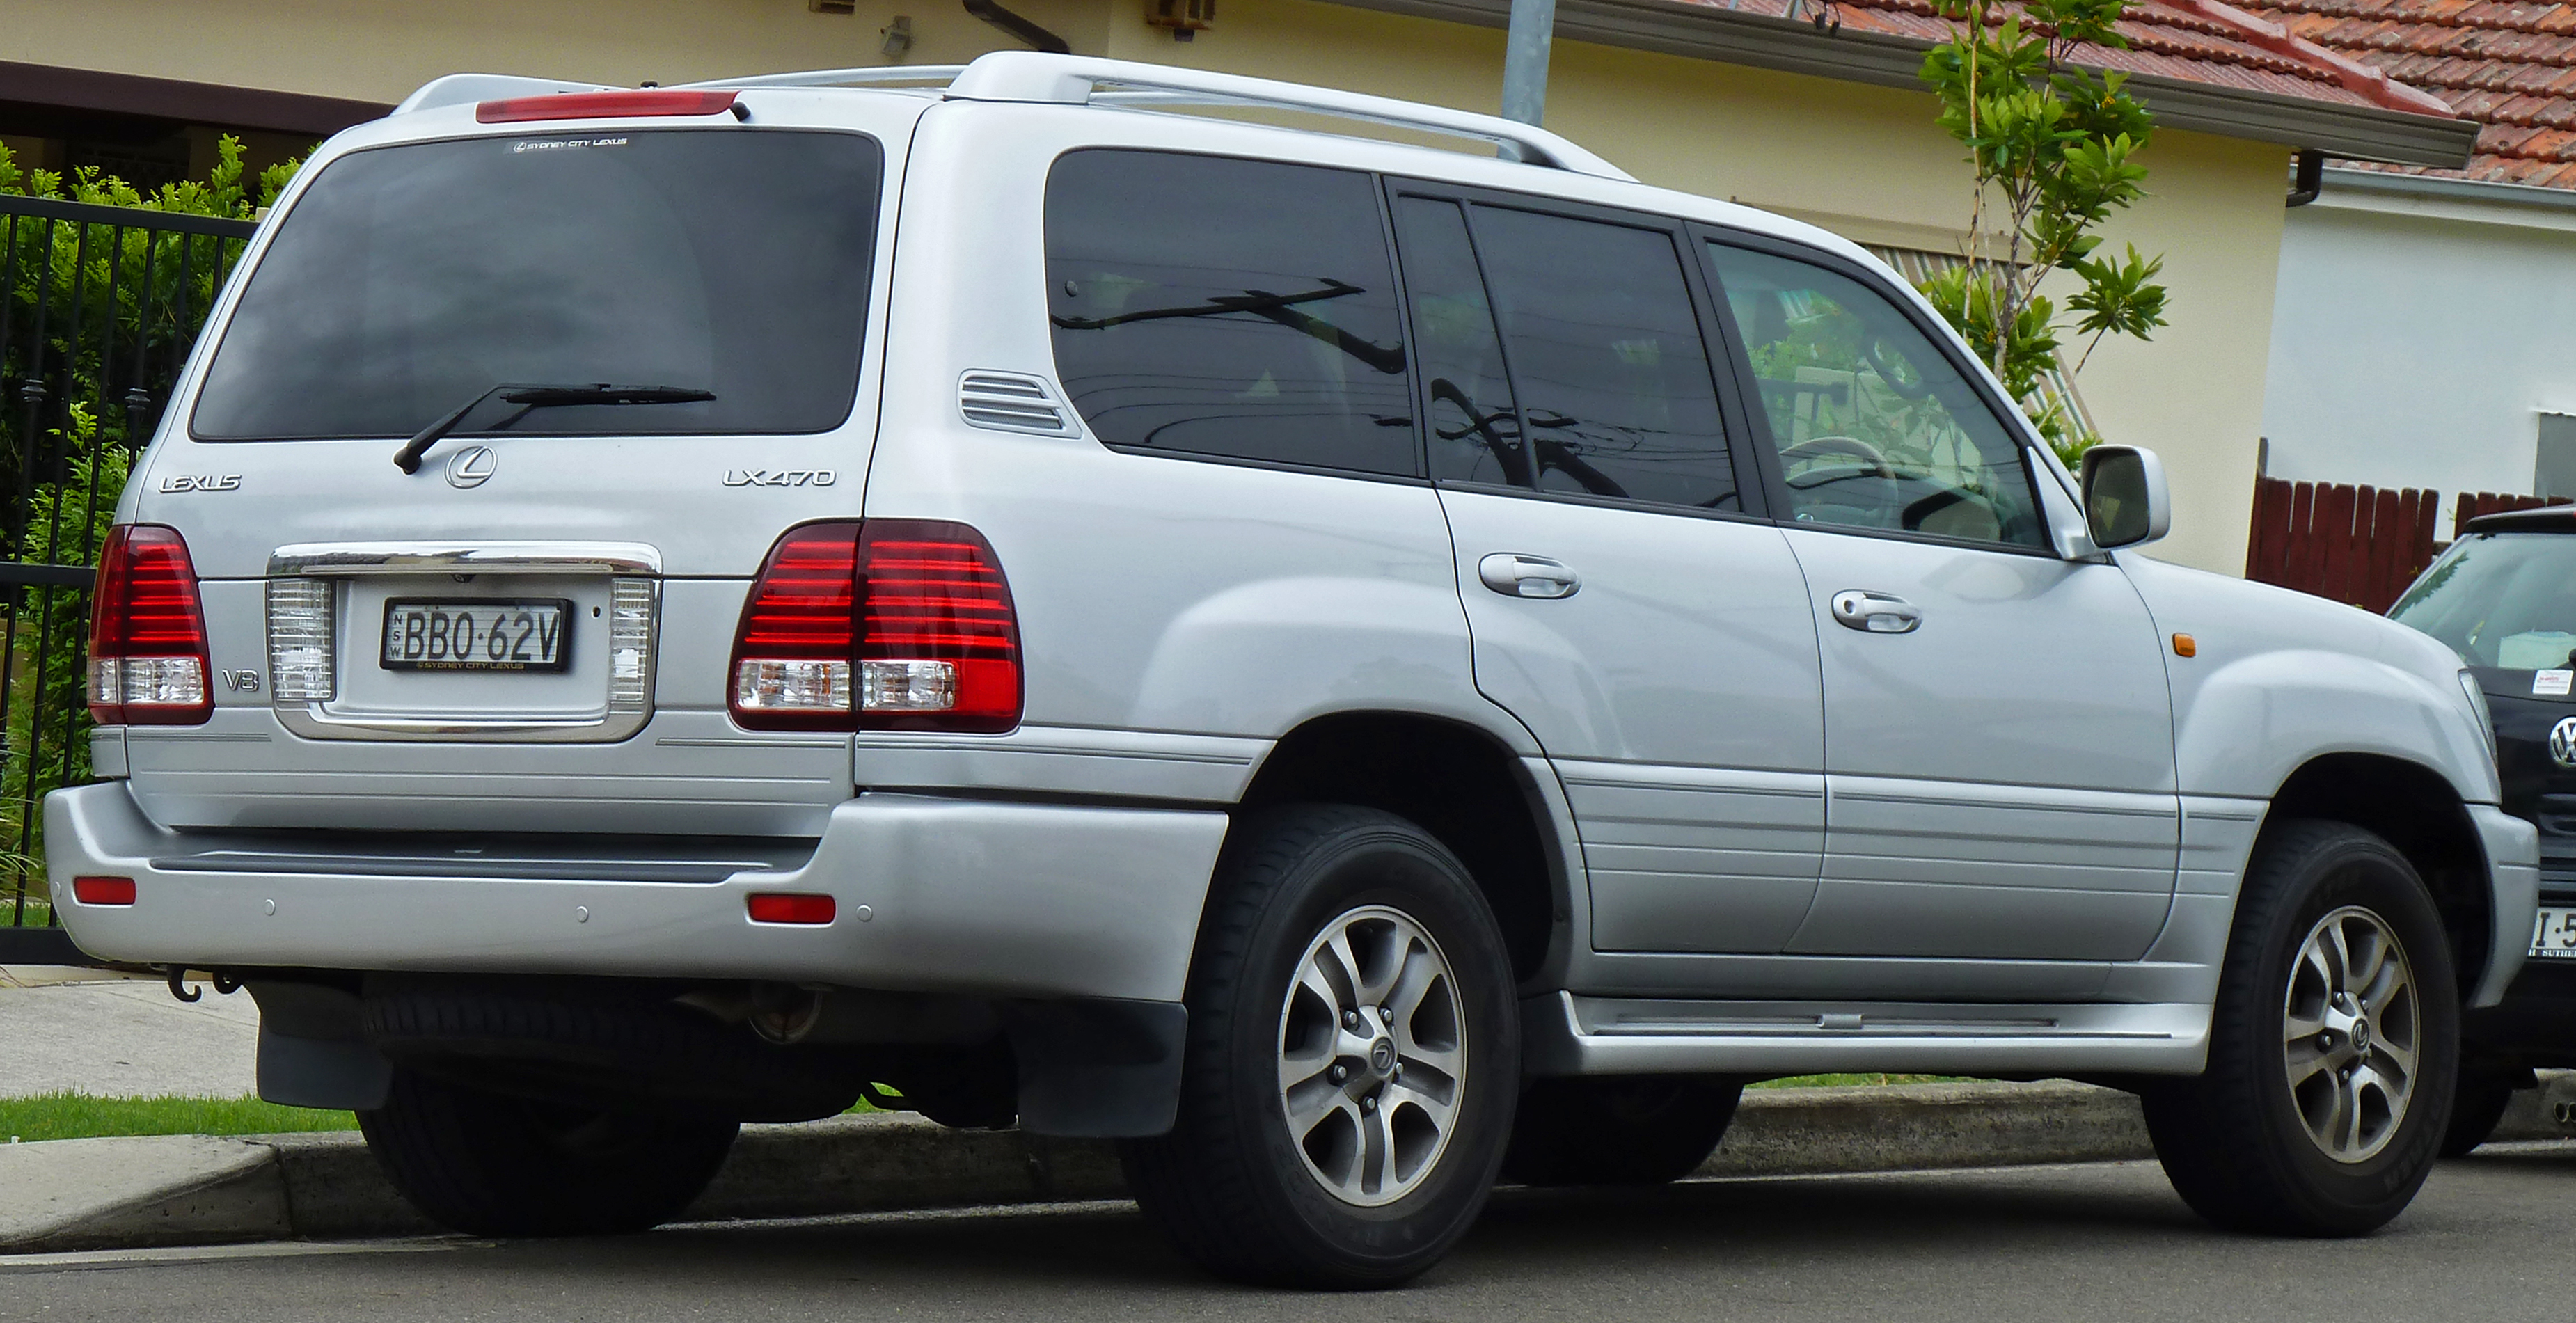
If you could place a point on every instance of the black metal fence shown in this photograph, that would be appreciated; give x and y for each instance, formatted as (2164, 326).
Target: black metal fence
(98, 309)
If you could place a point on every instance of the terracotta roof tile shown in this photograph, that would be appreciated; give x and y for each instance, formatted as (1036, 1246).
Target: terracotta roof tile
(2200, 41)
(2508, 65)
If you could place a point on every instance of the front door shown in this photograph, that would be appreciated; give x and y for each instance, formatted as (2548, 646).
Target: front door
(1998, 729)
(1625, 606)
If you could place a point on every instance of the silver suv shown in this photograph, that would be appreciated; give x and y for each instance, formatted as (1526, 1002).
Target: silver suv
(1357, 669)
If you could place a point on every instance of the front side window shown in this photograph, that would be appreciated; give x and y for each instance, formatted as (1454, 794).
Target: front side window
(2500, 599)
(1246, 309)
(1874, 426)
(408, 280)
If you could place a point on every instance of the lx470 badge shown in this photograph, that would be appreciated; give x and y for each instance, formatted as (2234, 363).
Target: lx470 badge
(780, 477)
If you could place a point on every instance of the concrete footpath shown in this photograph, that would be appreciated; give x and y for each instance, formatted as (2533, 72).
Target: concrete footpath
(109, 1035)
(88, 1194)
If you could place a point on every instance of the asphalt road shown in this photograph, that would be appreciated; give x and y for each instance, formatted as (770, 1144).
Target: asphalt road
(2493, 1237)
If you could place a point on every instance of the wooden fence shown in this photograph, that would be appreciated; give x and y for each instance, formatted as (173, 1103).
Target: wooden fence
(2359, 545)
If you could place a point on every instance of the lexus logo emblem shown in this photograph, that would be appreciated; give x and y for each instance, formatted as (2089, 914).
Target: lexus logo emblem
(2562, 742)
(472, 466)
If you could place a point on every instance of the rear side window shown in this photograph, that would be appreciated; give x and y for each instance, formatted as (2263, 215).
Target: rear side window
(409, 279)
(1616, 397)
(1245, 309)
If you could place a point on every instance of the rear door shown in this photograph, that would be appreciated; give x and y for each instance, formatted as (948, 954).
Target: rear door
(560, 578)
(1998, 729)
(1647, 627)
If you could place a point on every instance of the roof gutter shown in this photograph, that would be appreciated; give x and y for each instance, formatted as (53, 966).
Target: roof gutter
(1707, 32)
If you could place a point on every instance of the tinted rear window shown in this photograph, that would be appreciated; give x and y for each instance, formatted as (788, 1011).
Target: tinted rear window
(410, 279)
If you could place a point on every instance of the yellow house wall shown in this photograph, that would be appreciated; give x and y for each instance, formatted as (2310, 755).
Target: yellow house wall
(1865, 161)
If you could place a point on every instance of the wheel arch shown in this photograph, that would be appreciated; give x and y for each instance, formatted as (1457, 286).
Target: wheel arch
(1463, 784)
(2416, 810)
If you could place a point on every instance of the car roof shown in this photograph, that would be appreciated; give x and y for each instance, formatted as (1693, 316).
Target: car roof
(2544, 519)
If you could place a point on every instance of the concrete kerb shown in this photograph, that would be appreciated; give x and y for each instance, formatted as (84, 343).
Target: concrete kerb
(133, 1193)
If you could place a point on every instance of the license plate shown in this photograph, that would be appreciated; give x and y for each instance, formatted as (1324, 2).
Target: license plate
(477, 634)
(2554, 936)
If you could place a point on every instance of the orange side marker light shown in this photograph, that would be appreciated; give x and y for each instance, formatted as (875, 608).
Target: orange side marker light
(2185, 646)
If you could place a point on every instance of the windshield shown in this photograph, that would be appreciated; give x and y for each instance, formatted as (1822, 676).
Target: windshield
(409, 279)
(2505, 600)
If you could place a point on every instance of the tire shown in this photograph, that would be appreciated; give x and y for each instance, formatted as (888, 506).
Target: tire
(490, 1164)
(2477, 1106)
(2240, 1142)
(599, 1044)
(1619, 1130)
(1251, 1194)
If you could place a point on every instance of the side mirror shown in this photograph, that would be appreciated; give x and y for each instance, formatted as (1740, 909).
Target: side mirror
(2125, 501)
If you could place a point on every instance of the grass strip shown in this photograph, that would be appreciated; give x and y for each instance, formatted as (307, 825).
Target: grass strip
(80, 1116)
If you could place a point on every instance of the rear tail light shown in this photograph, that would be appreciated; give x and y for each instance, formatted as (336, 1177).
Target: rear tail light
(886, 624)
(602, 105)
(147, 632)
(103, 890)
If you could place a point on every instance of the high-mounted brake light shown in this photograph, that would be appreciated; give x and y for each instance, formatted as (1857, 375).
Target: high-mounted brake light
(886, 624)
(602, 105)
(147, 632)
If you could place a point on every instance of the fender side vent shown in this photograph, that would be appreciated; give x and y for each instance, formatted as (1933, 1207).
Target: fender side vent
(1012, 402)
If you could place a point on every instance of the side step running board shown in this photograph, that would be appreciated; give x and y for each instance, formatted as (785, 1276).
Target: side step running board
(1566, 1034)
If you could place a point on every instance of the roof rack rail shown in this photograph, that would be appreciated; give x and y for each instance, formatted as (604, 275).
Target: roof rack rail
(877, 75)
(1078, 79)
(467, 88)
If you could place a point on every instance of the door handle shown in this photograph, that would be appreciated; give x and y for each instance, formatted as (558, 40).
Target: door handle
(1516, 575)
(1875, 613)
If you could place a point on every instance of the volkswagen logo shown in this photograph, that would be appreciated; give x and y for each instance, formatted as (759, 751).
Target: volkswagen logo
(472, 466)
(2562, 742)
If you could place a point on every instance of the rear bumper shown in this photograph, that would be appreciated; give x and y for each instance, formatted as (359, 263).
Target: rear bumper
(2513, 863)
(965, 896)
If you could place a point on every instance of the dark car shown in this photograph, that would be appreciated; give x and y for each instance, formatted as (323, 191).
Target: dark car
(2504, 598)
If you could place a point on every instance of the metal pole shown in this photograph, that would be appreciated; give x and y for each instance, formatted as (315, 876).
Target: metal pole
(1525, 60)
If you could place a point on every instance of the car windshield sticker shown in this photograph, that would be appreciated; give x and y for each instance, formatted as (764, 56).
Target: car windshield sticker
(2551, 684)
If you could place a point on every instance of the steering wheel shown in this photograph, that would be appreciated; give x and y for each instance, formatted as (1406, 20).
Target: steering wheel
(1869, 350)
(1815, 447)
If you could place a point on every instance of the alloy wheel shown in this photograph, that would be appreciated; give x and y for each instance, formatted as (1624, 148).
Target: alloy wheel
(2351, 1034)
(1372, 1056)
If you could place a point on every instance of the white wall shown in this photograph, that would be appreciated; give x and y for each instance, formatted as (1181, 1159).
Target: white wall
(2416, 340)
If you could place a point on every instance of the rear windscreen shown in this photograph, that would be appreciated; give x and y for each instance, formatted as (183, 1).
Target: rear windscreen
(408, 280)
(2502, 600)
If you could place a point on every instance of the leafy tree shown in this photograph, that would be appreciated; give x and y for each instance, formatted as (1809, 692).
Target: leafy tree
(72, 450)
(2052, 145)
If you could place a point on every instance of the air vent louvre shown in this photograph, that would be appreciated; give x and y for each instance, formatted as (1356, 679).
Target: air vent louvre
(1012, 402)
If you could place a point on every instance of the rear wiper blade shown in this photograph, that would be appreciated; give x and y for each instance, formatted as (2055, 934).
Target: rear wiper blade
(535, 396)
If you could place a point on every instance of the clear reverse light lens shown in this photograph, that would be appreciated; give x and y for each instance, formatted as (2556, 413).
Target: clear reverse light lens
(301, 664)
(907, 686)
(761, 685)
(630, 644)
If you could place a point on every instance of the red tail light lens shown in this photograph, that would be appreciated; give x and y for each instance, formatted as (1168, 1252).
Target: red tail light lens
(790, 907)
(889, 624)
(147, 632)
(939, 644)
(602, 105)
